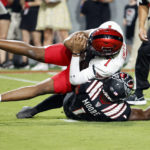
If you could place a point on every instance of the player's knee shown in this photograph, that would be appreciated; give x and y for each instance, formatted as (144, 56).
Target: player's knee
(37, 53)
(40, 90)
(45, 88)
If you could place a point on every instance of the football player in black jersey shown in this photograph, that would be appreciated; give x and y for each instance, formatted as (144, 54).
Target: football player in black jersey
(94, 101)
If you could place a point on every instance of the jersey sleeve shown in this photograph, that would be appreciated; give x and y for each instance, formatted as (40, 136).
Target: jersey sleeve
(79, 77)
(117, 112)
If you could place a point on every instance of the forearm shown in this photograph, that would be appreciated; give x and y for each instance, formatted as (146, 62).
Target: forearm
(35, 3)
(22, 2)
(76, 76)
(14, 47)
(74, 70)
(19, 94)
(10, 2)
(106, 1)
(124, 22)
(139, 114)
(28, 92)
(21, 48)
(143, 14)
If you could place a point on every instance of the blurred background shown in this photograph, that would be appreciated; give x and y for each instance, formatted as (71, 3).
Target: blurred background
(78, 22)
(45, 22)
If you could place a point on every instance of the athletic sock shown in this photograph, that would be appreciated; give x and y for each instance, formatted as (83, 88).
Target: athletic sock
(52, 102)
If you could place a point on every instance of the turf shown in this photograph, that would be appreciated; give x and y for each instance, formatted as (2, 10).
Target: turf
(49, 130)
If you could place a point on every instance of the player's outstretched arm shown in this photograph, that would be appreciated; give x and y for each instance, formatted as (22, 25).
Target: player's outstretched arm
(22, 48)
(139, 114)
(28, 92)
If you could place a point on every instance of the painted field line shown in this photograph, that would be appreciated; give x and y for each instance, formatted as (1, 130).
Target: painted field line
(52, 73)
(17, 79)
(24, 80)
(69, 120)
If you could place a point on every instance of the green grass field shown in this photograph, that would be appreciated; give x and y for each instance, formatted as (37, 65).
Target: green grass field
(50, 131)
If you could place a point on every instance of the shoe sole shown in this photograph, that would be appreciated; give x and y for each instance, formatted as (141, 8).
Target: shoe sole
(137, 102)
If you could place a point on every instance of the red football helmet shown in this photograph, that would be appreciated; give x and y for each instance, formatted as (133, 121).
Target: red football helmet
(107, 41)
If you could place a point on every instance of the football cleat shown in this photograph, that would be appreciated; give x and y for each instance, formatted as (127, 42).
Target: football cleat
(26, 112)
(134, 100)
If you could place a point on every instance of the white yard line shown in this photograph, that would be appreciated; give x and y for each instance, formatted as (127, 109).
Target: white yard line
(69, 120)
(17, 79)
(23, 80)
(52, 73)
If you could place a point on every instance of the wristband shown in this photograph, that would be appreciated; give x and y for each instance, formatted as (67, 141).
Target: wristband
(77, 54)
(26, 5)
(0, 98)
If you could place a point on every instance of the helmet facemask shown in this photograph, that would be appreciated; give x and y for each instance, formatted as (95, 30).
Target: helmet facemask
(118, 87)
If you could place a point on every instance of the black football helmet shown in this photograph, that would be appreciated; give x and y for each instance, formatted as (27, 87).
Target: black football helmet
(118, 87)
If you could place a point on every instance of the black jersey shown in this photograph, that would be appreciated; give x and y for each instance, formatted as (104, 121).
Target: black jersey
(95, 13)
(130, 14)
(88, 104)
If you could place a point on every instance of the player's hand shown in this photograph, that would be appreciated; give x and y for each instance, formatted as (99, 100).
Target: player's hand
(143, 34)
(76, 42)
(79, 43)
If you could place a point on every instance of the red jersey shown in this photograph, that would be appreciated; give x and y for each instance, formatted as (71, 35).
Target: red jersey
(5, 2)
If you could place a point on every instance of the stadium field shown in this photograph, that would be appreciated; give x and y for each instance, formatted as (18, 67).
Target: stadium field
(51, 130)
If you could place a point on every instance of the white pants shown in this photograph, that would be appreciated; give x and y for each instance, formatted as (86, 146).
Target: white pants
(14, 32)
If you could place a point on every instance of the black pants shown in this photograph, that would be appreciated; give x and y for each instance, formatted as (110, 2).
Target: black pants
(142, 65)
(67, 103)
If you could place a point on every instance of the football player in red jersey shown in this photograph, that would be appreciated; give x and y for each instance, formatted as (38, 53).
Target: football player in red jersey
(102, 44)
